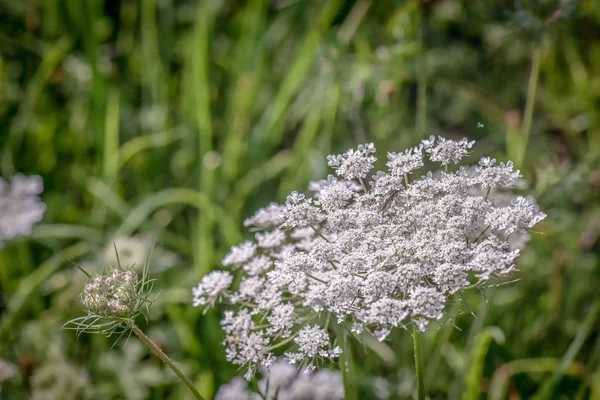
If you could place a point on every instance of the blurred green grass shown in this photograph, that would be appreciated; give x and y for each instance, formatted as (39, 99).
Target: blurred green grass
(179, 118)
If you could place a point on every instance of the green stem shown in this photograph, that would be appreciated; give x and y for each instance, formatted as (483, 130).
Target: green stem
(529, 103)
(347, 367)
(421, 77)
(419, 363)
(166, 360)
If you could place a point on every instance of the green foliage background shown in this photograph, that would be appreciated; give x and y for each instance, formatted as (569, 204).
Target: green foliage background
(180, 118)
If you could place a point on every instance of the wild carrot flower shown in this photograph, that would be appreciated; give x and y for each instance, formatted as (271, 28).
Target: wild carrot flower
(20, 206)
(282, 382)
(369, 250)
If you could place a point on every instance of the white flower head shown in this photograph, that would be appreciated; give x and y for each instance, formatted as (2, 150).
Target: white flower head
(312, 342)
(269, 217)
(211, 287)
(373, 254)
(240, 254)
(446, 151)
(354, 164)
(405, 162)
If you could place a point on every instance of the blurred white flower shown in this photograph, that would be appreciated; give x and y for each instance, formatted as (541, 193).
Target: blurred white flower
(7, 370)
(281, 381)
(240, 254)
(133, 252)
(20, 206)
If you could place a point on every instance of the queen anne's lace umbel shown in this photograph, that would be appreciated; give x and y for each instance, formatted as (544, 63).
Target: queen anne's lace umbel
(371, 255)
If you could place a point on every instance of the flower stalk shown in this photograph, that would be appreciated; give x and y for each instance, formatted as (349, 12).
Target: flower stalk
(164, 358)
(419, 363)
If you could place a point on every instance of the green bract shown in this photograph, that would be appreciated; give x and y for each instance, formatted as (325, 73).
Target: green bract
(113, 299)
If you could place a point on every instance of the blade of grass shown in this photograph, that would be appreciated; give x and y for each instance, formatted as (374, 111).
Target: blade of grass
(546, 390)
(300, 166)
(348, 368)
(269, 130)
(174, 196)
(153, 75)
(203, 235)
(501, 379)
(66, 231)
(29, 286)
(421, 75)
(529, 105)
(50, 60)
(141, 143)
(477, 361)
(353, 21)
(110, 166)
(246, 68)
(108, 197)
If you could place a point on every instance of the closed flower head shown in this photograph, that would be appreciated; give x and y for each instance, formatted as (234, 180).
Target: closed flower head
(113, 299)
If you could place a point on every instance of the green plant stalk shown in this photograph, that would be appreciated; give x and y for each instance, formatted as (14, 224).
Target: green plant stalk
(110, 167)
(419, 363)
(204, 249)
(421, 78)
(166, 360)
(348, 369)
(529, 104)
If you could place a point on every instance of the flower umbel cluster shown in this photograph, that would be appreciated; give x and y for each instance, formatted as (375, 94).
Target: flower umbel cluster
(282, 382)
(368, 250)
(20, 206)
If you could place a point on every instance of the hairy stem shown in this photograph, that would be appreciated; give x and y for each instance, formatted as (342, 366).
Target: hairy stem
(419, 363)
(166, 360)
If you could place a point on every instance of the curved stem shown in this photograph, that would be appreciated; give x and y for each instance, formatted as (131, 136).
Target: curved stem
(419, 363)
(164, 358)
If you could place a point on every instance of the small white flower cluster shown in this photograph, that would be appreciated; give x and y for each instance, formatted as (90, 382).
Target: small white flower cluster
(112, 295)
(281, 381)
(7, 370)
(371, 257)
(20, 206)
